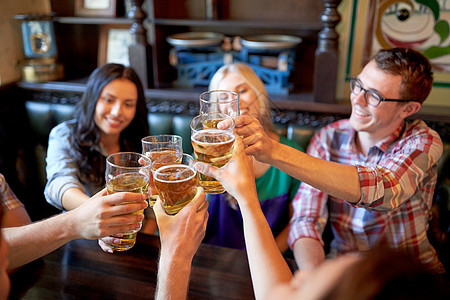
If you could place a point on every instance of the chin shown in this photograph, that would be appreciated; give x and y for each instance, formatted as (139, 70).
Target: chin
(357, 124)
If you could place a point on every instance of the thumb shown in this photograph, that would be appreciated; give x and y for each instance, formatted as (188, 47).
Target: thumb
(206, 169)
(158, 207)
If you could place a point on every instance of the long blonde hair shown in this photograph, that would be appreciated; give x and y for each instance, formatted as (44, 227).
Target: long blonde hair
(255, 83)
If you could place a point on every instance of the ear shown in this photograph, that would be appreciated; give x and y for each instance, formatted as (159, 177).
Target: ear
(410, 108)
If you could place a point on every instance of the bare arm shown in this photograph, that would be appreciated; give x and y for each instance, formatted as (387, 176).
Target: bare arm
(181, 235)
(335, 179)
(267, 266)
(281, 239)
(101, 216)
(73, 197)
(308, 253)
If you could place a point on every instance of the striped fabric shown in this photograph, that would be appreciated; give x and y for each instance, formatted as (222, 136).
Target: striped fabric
(397, 179)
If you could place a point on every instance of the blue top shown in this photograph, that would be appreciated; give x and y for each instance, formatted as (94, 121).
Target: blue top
(275, 189)
(62, 169)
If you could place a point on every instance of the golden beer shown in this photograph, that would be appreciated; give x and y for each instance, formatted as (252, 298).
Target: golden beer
(162, 150)
(214, 147)
(177, 186)
(160, 159)
(128, 182)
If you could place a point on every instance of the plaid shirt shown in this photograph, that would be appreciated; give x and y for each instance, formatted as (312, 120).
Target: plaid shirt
(397, 181)
(7, 197)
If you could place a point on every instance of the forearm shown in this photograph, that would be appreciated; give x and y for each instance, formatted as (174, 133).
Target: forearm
(281, 239)
(73, 197)
(267, 266)
(308, 253)
(35, 240)
(334, 179)
(173, 276)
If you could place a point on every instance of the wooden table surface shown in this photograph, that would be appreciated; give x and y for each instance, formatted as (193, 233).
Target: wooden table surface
(81, 270)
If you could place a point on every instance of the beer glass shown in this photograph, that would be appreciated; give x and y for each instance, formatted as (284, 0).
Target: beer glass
(176, 184)
(127, 172)
(212, 145)
(222, 101)
(164, 148)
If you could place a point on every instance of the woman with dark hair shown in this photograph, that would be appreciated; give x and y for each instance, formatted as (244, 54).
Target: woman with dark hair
(110, 117)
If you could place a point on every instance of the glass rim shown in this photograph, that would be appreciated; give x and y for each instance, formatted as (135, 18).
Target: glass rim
(140, 155)
(174, 136)
(219, 91)
(187, 166)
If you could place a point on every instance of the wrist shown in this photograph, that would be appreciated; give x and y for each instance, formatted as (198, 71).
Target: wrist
(174, 260)
(65, 226)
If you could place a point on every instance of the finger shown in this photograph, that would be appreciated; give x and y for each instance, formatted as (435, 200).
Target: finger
(206, 169)
(239, 144)
(119, 198)
(243, 120)
(225, 124)
(198, 200)
(158, 208)
(120, 220)
(104, 247)
(100, 193)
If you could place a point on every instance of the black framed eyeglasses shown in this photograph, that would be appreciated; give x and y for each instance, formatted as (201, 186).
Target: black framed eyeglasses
(372, 97)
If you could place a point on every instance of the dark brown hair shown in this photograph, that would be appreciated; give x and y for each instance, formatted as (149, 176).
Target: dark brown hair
(415, 69)
(87, 134)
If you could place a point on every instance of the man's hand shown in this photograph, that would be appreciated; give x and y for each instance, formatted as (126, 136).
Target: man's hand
(181, 234)
(105, 215)
(257, 142)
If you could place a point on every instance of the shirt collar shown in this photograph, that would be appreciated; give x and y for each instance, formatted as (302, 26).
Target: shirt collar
(384, 144)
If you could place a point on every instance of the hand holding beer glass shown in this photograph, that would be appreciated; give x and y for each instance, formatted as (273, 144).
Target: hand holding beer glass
(220, 101)
(127, 172)
(176, 183)
(162, 150)
(212, 145)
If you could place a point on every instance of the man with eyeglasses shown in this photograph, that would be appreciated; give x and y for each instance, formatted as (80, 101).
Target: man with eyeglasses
(372, 176)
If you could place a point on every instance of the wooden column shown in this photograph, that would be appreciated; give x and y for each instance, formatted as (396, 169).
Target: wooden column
(327, 54)
(138, 51)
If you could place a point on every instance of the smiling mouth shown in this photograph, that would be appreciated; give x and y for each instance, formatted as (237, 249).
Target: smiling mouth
(113, 123)
(360, 113)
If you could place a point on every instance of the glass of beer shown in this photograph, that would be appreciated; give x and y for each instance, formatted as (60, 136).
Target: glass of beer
(127, 172)
(212, 145)
(162, 150)
(176, 184)
(222, 101)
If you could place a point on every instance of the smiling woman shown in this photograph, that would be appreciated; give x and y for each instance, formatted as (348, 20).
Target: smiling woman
(110, 117)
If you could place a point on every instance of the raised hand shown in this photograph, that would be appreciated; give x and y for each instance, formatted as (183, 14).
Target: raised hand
(237, 176)
(257, 142)
(181, 234)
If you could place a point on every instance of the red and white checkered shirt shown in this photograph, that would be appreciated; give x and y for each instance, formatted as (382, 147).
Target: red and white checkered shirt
(397, 181)
(7, 197)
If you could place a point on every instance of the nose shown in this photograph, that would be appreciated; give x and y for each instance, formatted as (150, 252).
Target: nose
(359, 98)
(115, 109)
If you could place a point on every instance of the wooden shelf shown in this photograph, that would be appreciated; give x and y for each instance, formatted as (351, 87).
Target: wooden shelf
(90, 20)
(302, 101)
(315, 27)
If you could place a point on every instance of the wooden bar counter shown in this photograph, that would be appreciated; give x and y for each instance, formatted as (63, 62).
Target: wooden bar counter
(81, 270)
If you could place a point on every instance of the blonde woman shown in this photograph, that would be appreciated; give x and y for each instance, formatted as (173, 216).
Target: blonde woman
(275, 189)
